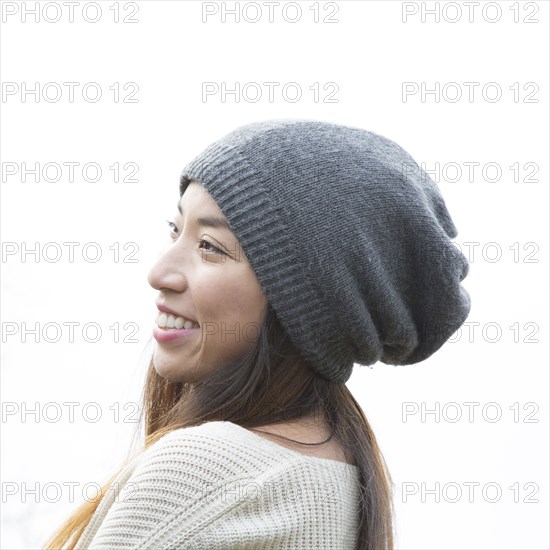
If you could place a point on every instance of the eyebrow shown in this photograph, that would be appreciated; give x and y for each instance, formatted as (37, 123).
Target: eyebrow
(210, 221)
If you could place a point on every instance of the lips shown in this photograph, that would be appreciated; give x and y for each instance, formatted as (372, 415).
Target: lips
(164, 336)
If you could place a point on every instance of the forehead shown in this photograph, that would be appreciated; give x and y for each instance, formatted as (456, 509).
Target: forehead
(205, 208)
(197, 196)
(196, 188)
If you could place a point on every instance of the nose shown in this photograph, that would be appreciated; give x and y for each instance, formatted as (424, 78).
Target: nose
(168, 270)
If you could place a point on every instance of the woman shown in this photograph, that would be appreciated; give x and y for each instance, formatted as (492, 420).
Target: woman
(300, 248)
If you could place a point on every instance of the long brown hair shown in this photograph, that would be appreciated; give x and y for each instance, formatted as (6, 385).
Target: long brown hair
(271, 383)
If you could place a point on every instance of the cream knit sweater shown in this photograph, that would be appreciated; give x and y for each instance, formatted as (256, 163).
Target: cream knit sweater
(220, 486)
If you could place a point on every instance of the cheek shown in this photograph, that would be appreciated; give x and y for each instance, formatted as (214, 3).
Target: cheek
(232, 300)
(231, 296)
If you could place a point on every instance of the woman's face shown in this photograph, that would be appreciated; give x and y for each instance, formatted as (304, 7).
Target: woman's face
(204, 277)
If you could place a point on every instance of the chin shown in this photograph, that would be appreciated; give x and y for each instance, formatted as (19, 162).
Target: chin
(171, 371)
(166, 369)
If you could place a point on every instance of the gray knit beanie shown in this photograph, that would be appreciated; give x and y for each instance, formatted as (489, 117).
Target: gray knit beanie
(349, 239)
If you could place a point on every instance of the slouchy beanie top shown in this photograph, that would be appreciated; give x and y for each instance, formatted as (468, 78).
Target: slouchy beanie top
(350, 239)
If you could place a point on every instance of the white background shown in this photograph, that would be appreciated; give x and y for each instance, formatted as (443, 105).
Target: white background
(369, 53)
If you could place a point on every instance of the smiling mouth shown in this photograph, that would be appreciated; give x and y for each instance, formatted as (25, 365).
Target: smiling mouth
(167, 321)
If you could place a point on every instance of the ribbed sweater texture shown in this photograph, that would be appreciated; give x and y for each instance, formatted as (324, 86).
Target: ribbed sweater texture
(220, 486)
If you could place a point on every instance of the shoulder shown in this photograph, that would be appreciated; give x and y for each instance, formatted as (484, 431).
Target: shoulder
(216, 449)
(172, 486)
(214, 452)
(221, 461)
(195, 436)
(218, 436)
(195, 482)
(223, 447)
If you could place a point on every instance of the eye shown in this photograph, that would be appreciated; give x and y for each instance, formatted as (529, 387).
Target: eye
(214, 248)
(209, 247)
(173, 228)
